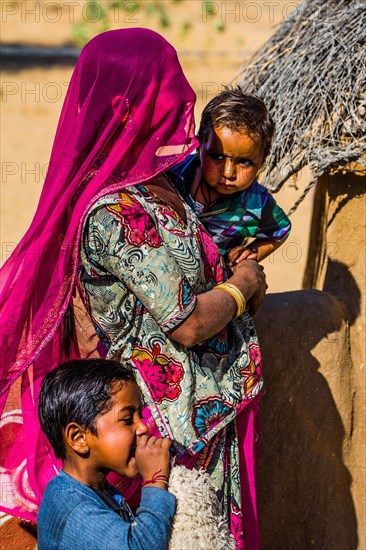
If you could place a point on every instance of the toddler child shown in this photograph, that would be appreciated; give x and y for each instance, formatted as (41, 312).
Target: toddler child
(90, 412)
(220, 184)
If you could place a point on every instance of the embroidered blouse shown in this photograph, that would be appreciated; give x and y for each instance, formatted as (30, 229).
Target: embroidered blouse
(142, 269)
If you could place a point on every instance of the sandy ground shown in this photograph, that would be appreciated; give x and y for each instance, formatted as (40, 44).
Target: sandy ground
(32, 98)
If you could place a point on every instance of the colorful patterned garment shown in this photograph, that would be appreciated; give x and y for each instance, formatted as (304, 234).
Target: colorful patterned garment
(142, 268)
(250, 213)
(127, 117)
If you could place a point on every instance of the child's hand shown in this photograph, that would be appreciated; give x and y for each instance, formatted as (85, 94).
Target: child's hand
(152, 457)
(240, 253)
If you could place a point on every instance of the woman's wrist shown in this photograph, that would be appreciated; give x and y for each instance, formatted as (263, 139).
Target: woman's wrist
(244, 286)
(236, 294)
(245, 278)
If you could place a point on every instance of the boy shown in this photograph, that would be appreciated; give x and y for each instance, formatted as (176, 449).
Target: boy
(90, 412)
(220, 183)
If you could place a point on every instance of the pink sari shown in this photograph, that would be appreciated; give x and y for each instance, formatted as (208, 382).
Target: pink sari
(129, 97)
(127, 116)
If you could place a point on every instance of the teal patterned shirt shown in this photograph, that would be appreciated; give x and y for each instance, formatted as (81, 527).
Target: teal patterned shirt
(249, 213)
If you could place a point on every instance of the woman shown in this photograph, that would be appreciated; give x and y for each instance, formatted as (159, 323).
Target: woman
(110, 227)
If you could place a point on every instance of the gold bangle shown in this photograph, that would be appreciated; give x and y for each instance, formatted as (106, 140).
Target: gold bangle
(234, 293)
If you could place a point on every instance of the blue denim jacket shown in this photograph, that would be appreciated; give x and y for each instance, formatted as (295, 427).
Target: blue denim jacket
(73, 517)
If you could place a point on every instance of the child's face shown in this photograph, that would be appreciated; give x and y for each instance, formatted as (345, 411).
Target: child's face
(113, 448)
(230, 161)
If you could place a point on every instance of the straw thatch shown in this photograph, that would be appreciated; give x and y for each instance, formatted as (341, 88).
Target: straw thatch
(311, 74)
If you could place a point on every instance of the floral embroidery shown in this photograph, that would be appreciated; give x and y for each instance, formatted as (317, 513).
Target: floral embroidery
(193, 393)
(220, 343)
(209, 413)
(162, 373)
(255, 353)
(251, 371)
(140, 227)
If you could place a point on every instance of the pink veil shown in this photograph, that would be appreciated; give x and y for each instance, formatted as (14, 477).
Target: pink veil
(127, 116)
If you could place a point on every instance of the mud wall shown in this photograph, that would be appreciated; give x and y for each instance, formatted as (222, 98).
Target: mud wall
(305, 485)
(312, 471)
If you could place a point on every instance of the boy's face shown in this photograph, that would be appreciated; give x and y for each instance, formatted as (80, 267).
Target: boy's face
(113, 448)
(230, 161)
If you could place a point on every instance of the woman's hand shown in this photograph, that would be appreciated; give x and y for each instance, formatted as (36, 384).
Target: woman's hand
(250, 278)
(215, 309)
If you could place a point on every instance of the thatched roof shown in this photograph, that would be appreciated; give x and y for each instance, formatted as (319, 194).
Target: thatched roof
(311, 74)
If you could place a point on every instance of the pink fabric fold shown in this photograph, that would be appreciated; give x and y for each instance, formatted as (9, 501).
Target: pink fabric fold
(127, 116)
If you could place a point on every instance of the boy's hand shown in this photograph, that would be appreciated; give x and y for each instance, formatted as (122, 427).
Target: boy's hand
(240, 253)
(152, 455)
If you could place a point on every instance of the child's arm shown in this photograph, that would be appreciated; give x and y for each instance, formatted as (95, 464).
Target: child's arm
(257, 250)
(272, 232)
(92, 525)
